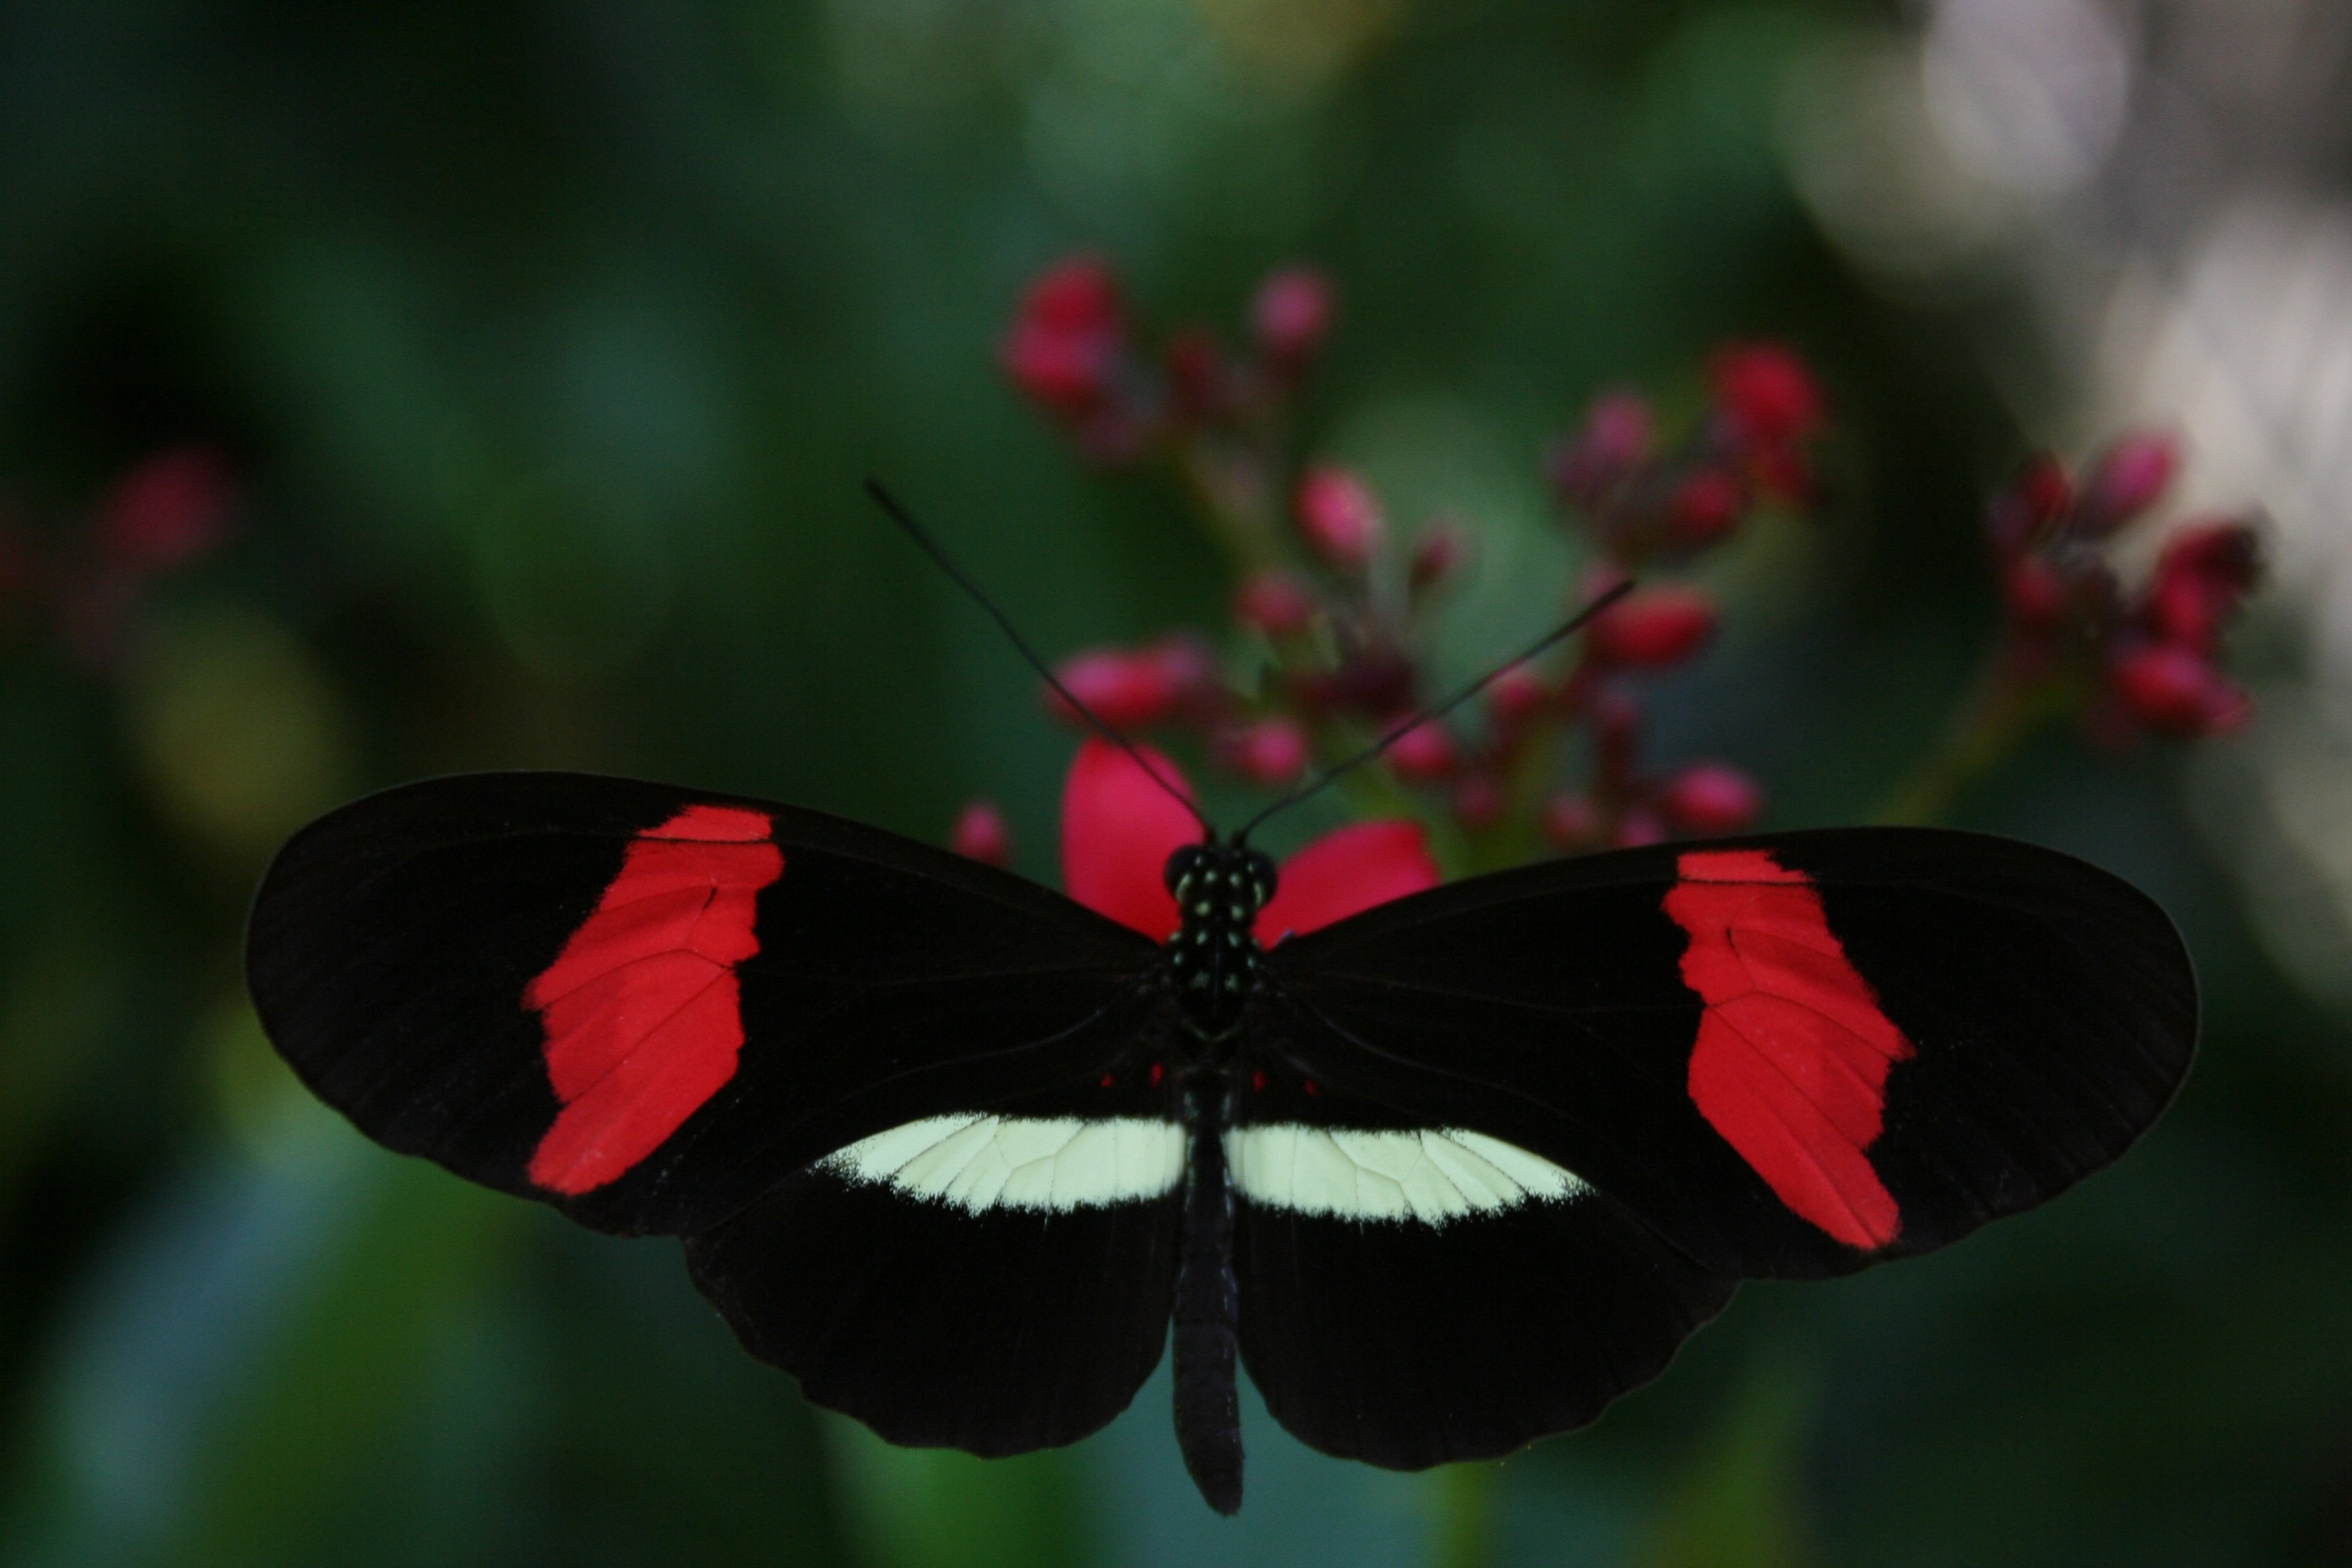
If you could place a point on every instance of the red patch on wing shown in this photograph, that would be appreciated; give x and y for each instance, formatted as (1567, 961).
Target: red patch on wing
(1792, 1052)
(642, 1011)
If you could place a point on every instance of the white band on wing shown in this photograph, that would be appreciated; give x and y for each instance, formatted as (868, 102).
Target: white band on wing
(1431, 1175)
(978, 1162)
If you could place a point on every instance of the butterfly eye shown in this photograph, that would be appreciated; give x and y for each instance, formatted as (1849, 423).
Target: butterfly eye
(1181, 867)
(1262, 877)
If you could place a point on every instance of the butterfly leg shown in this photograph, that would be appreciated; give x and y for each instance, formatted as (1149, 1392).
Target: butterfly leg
(1208, 1410)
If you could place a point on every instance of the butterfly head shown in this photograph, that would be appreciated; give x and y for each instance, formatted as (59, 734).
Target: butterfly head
(1214, 880)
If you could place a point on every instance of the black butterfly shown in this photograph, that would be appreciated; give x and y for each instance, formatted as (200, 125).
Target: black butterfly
(1448, 1174)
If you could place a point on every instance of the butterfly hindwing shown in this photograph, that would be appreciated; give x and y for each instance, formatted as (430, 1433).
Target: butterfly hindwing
(1789, 1056)
(1414, 1295)
(992, 1282)
(650, 1006)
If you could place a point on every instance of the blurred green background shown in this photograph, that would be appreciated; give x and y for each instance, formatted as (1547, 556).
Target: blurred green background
(549, 345)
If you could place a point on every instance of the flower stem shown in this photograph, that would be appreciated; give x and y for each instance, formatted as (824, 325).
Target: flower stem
(1231, 488)
(2007, 703)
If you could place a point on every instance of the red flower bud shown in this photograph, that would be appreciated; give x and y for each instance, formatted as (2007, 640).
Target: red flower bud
(1782, 473)
(170, 508)
(1126, 690)
(1275, 603)
(1652, 629)
(1272, 752)
(1568, 822)
(2226, 556)
(1063, 348)
(1477, 801)
(2176, 691)
(2200, 580)
(1196, 375)
(1616, 719)
(1374, 682)
(1186, 665)
(1638, 828)
(1292, 315)
(2228, 708)
(1340, 516)
(1704, 508)
(1422, 754)
(1438, 552)
(2030, 505)
(1076, 294)
(2034, 592)
(1709, 798)
(980, 833)
(2130, 477)
(1517, 694)
(1765, 395)
(1613, 443)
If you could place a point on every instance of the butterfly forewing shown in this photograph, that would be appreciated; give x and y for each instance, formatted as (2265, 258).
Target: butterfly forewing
(651, 1006)
(1789, 1056)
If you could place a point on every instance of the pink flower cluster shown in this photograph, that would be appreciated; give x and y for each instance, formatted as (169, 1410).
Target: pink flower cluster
(2150, 657)
(1074, 350)
(1329, 639)
(1341, 657)
(1331, 613)
(1642, 503)
(81, 583)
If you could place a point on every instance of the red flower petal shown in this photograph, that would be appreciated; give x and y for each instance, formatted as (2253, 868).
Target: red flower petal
(1118, 828)
(1766, 393)
(1065, 341)
(1710, 797)
(1587, 467)
(1704, 508)
(1292, 315)
(982, 833)
(1344, 872)
(2131, 478)
(1655, 629)
(170, 508)
(1339, 516)
(1275, 603)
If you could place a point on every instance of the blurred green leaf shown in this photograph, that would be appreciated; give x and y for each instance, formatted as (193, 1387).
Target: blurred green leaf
(248, 1349)
(936, 1508)
(240, 734)
(1739, 1503)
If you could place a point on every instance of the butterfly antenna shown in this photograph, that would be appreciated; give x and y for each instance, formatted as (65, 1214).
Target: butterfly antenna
(1324, 780)
(962, 579)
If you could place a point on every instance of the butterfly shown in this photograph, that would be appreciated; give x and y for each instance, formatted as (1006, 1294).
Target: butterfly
(1447, 1168)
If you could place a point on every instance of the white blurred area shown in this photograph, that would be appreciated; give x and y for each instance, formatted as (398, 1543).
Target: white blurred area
(2166, 187)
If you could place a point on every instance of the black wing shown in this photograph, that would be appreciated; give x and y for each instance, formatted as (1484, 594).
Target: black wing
(1622, 1081)
(883, 1082)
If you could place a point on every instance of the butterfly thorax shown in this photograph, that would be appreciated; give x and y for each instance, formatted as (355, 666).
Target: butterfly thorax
(1213, 957)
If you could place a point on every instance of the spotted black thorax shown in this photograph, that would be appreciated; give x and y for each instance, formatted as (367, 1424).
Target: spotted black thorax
(1219, 889)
